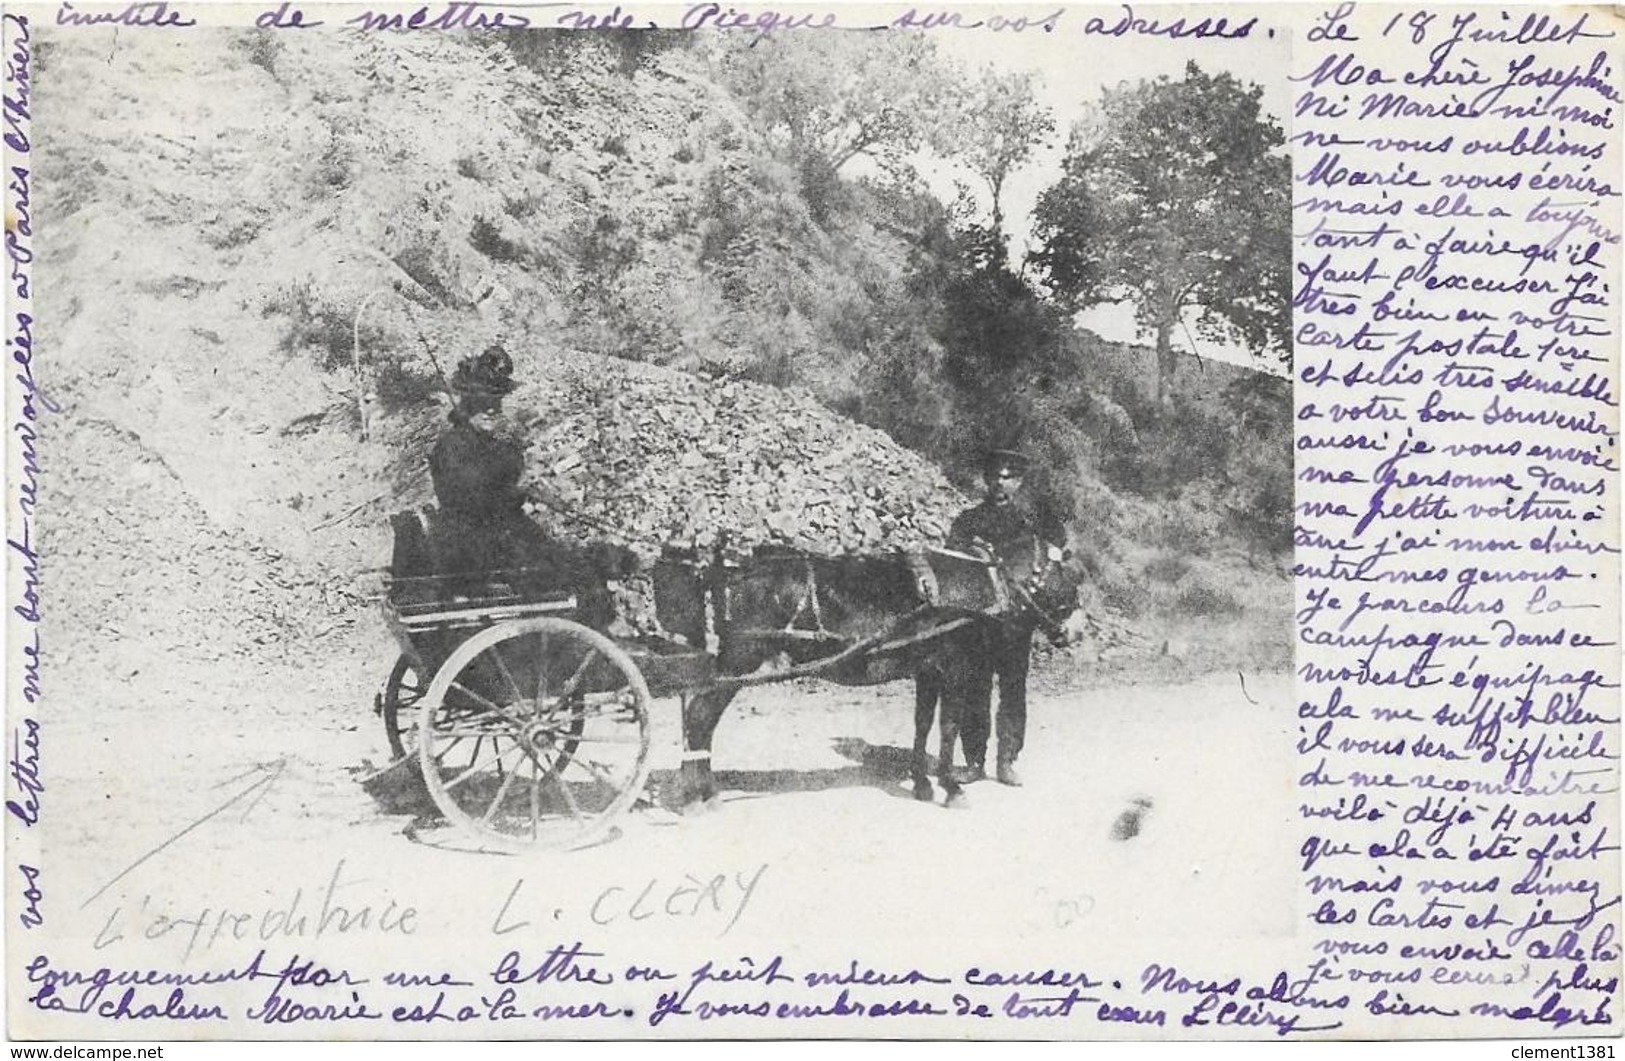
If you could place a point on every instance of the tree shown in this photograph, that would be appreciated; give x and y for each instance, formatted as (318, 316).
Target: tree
(999, 125)
(833, 97)
(1176, 197)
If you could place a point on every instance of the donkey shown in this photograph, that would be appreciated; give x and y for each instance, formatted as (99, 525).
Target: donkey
(852, 620)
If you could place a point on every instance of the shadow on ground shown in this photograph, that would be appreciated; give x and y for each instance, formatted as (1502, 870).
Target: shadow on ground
(398, 789)
(880, 766)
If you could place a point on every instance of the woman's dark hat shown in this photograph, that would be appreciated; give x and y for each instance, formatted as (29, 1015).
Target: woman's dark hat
(999, 459)
(489, 375)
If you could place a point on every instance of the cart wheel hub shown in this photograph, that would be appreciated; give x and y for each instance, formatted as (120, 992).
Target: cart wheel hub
(536, 736)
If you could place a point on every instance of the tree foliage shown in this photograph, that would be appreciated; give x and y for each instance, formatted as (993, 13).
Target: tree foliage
(998, 125)
(829, 102)
(1176, 197)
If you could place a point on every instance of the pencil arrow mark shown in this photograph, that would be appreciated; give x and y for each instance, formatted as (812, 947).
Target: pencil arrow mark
(253, 793)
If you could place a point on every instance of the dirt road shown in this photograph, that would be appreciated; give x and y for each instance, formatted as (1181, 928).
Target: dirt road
(1152, 809)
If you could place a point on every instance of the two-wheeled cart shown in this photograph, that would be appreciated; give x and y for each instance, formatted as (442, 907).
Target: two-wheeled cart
(532, 728)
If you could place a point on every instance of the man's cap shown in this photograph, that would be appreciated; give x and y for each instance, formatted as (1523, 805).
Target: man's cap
(488, 375)
(999, 459)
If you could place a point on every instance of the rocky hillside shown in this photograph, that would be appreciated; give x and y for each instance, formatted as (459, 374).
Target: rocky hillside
(222, 216)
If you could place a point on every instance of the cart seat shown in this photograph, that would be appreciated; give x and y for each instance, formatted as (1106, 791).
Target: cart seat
(413, 555)
(441, 563)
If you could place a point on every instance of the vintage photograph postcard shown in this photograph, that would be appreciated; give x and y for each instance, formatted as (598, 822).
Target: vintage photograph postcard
(532, 521)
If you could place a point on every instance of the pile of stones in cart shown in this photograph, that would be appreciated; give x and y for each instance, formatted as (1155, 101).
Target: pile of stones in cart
(654, 460)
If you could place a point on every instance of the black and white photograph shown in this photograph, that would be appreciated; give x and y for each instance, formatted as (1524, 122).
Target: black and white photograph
(519, 496)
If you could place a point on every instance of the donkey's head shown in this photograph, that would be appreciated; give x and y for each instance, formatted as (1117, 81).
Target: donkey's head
(1043, 587)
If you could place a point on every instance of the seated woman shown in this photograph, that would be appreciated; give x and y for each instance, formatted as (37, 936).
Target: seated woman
(483, 530)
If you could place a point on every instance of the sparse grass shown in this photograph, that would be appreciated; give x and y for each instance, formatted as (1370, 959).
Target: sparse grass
(1167, 567)
(324, 331)
(77, 182)
(1195, 615)
(1124, 592)
(400, 384)
(1201, 599)
(522, 206)
(182, 285)
(1187, 528)
(543, 52)
(335, 168)
(418, 262)
(314, 325)
(235, 232)
(488, 239)
(262, 48)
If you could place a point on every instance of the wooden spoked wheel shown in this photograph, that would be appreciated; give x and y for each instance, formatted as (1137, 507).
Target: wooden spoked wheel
(535, 733)
(400, 703)
(402, 696)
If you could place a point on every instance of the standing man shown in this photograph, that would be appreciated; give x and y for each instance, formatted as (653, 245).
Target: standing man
(1001, 647)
